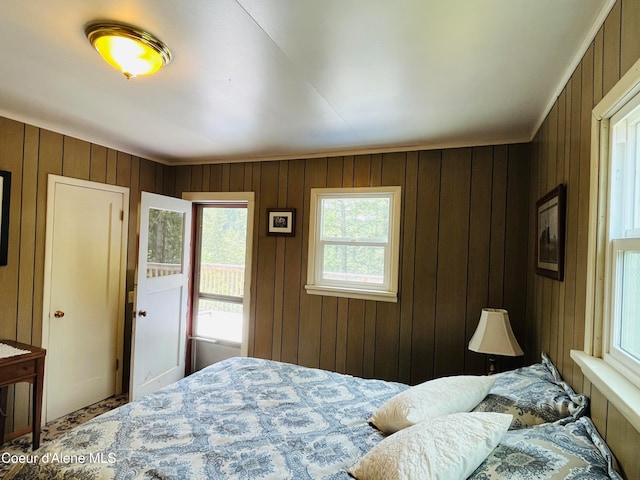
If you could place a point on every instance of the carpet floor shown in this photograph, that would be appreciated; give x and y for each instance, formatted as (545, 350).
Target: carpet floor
(56, 427)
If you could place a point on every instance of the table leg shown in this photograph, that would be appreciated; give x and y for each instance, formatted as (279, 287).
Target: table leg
(37, 401)
(3, 411)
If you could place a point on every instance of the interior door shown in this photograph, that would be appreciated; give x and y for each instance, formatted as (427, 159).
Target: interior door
(162, 289)
(83, 293)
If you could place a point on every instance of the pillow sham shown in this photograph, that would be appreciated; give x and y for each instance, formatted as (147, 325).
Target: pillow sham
(431, 399)
(447, 447)
(534, 395)
(552, 451)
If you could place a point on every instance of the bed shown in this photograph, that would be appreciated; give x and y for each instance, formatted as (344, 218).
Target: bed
(248, 418)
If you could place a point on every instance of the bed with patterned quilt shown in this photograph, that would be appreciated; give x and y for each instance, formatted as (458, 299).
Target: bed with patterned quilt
(248, 418)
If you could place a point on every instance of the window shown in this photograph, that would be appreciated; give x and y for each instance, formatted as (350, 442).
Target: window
(220, 272)
(354, 238)
(622, 330)
(611, 356)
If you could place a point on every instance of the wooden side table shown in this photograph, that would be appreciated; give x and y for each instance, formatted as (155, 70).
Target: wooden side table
(28, 367)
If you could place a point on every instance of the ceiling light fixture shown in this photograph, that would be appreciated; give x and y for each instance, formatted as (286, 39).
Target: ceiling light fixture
(128, 49)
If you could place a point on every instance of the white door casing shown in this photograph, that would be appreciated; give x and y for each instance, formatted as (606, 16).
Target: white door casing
(84, 293)
(158, 347)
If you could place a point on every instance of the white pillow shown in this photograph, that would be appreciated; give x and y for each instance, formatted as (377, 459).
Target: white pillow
(432, 399)
(446, 448)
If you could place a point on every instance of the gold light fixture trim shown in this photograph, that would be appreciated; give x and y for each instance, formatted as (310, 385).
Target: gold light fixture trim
(128, 49)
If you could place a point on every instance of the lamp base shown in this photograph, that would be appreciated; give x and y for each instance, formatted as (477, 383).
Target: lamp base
(492, 366)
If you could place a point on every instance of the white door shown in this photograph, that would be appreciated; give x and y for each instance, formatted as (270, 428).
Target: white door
(83, 293)
(160, 321)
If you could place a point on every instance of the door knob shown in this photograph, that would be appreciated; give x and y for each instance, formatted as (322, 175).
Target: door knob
(58, 314)
(142, 313)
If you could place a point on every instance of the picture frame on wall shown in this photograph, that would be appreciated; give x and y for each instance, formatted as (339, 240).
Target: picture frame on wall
(550, 233)
(281, 221)
(5, 196)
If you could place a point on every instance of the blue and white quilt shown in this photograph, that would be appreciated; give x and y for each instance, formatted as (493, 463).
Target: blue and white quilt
(243, 418)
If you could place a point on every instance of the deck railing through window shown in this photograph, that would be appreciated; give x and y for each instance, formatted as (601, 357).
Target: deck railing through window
(215, 278)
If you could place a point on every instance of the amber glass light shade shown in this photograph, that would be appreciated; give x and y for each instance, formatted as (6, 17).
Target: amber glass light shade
(128, 49)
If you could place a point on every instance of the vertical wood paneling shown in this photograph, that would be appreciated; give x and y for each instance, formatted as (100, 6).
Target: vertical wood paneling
(453, 244)
(424, 307)
(236, 177)
(98, 164)
(224, 177)
(559, 287)
(407, 267)
(76, 158)
(598, 60)
(611, 55)
(183, 181)
(615, 48)
(629, 34)
(498, 209)
(196, 178)
(355, 337)
(28, 224)
(623, 440)
(148, 175)
(516, 245)
(112, 166)
(266, 263)
(256, 173)
(310, 305)
(293, 279)
(551, 288)
(583, 206)
(371, 307)
(206, 178)
(278, 304)
(479, 249)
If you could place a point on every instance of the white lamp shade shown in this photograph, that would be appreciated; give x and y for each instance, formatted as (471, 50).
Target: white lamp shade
(494, 334)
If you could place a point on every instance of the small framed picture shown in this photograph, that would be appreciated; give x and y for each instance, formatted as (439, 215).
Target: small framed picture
(5, 195)
(281, 221)
(550, 234)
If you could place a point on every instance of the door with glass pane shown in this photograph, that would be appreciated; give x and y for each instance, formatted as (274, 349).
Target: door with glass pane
(219, 293)
(162, 287)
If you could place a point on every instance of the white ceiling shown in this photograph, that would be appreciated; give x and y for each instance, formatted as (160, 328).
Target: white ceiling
(261, 79)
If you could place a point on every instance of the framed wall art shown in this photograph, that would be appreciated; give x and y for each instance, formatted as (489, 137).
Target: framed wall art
(5, 196)
(281, 221)
(550, 228)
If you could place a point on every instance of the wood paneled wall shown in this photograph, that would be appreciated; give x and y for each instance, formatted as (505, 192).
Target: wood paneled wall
(463, 244)
(561, 154)
(30, 154)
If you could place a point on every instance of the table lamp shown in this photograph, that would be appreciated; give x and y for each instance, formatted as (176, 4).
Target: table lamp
(494, 337)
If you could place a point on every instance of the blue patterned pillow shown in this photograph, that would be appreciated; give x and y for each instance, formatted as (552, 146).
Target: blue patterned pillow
(534, 395)
(555, 451)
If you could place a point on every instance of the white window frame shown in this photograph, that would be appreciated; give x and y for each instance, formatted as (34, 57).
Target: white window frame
(619, 237)
(316, 285)
(619, 384)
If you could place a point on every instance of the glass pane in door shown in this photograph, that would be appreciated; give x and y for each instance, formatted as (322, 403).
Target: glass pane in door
(223, 248)
(220, 320)
(221, 272)
(164, 254)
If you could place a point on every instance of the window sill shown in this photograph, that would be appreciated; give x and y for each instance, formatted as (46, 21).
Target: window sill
(352, 293)
(622, 394)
